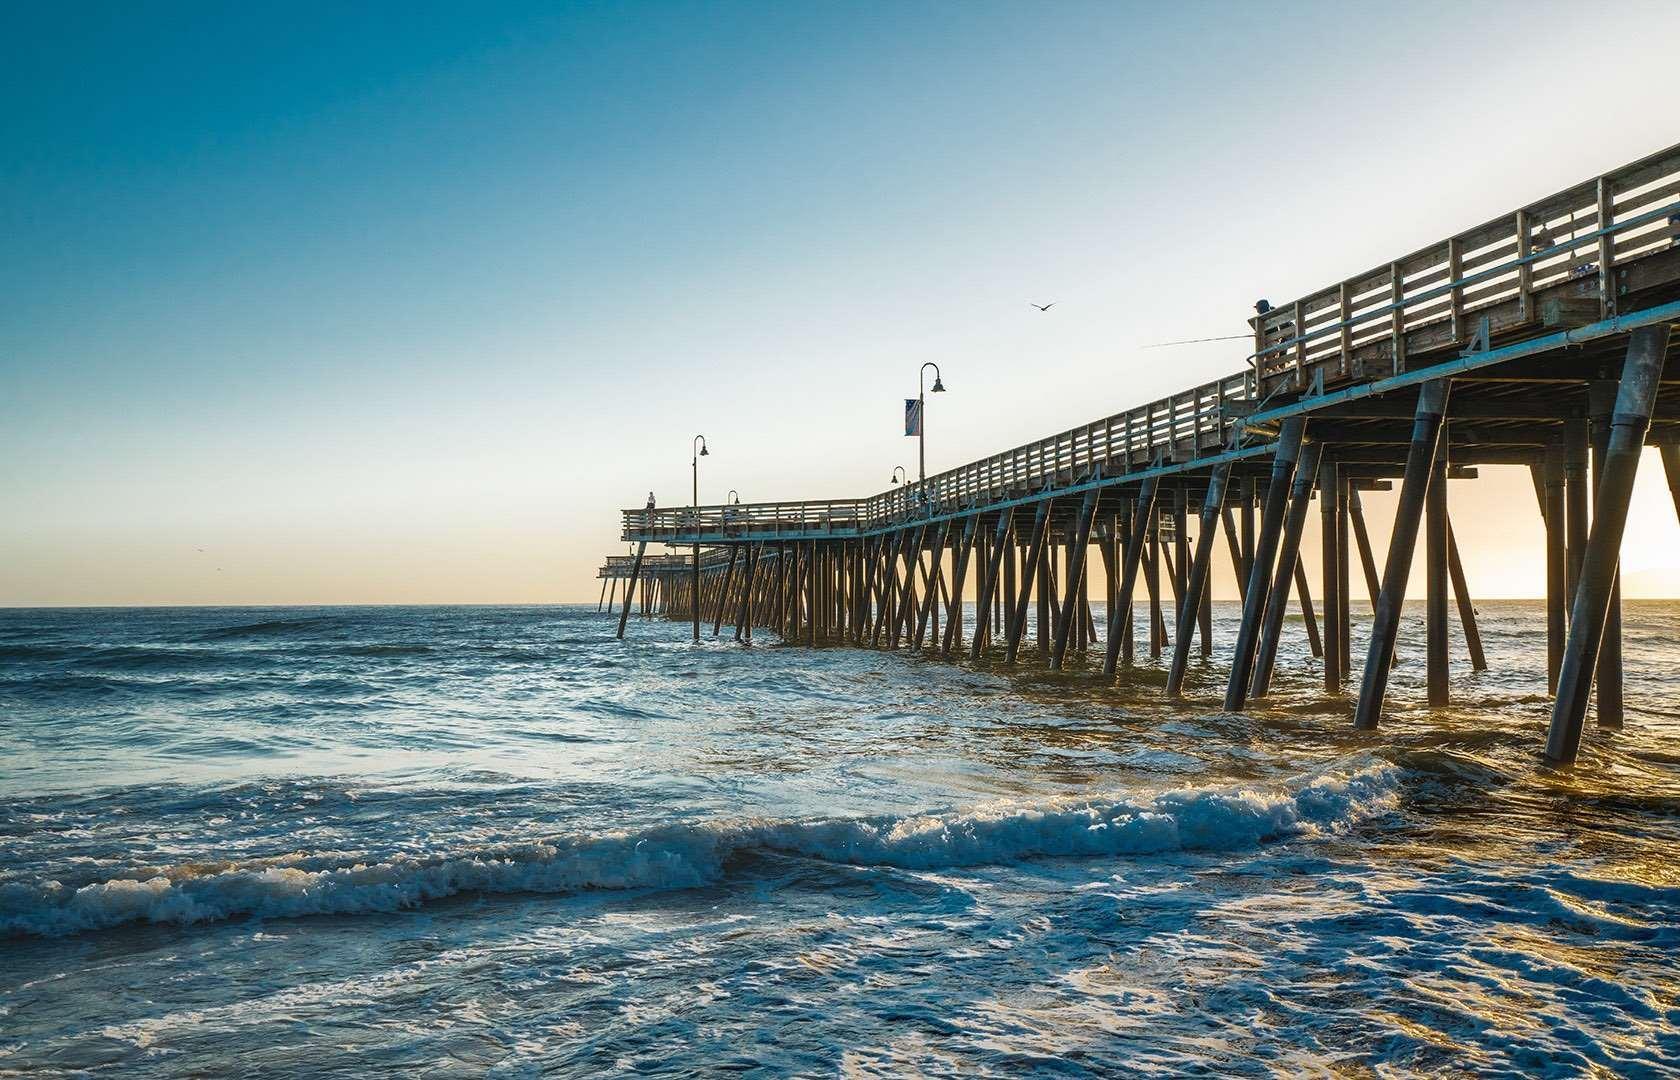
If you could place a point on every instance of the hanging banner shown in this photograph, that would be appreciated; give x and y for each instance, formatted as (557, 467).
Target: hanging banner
(912, 416)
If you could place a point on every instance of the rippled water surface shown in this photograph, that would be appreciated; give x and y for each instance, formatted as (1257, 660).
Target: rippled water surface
(497, 841)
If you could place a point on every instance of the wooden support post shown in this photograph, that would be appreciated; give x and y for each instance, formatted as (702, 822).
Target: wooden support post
(879, 600)
(1344, 488)
(1204, 611)
(1170, 566)
(1011, 568)
(1601, 399)
(1121, 610)
(1635, 399)
(630, 587)
(886, 585)
(892, 617)
(1264, 559)
(881, 571)
(1080, 542)
(778, 596)
(744, 620)
(1029, 570)
(1235, 545)
(723, 593)
(1362, 539)
(1249, 491)
(1288, 565)
(1111, 560)
(936, 585)
(1088, 622)
(1577, 497)
(1557, 570)
(861, 565)
(1133, 542)
(1181, 557)
(904, 621)
(1046, 597)
(602, 602)
(1309, 620)
(1333, 563)
(1152, 581)
(812, 613)
(1427, 425)
(959, 575)
(1195, 585)
(795, 576)
(989, 576)
(1435, 575)
(1466, 609)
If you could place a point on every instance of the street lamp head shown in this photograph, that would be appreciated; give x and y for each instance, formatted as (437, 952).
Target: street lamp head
(703, 451)
(938, 385)
(895, 478)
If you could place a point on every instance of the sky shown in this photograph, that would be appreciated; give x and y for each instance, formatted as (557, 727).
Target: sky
(363, 304)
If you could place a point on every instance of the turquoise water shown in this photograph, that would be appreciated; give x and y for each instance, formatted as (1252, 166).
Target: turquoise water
(497, 841)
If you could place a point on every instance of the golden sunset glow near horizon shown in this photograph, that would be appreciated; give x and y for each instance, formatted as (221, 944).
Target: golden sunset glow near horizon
(417, 336)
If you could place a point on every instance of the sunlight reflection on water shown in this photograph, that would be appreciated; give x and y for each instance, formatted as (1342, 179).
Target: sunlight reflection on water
(492, 839)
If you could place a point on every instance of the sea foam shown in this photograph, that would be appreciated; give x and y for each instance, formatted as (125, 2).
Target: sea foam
(688, 855)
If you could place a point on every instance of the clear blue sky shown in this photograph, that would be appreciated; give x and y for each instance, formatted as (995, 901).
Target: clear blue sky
(401, 304)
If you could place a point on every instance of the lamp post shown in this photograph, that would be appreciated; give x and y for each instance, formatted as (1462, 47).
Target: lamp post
(699, 448)
(734, 497)
(897, 470)
(921, 412)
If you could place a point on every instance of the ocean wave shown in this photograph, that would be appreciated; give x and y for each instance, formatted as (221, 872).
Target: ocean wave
(386, 650)
(266, 628)
(33, 653)
(689, 855)
(144, 658)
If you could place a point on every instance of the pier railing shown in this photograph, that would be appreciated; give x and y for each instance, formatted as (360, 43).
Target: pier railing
(1177, 428)
(621, 565)
(1366, 326)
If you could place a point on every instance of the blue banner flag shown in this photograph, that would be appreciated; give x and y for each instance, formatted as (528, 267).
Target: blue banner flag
(912, 416)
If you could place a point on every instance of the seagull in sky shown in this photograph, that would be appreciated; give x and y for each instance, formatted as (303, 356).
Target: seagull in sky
(1042, 307)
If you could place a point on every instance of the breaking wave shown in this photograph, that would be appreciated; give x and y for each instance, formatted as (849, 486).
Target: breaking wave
(688, 855)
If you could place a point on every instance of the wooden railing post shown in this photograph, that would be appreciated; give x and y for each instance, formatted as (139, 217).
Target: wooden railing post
(1344, 312)
(1397, 316)
(1300, 345)
(1606, 251)
(1525, 270)
(1455, 270)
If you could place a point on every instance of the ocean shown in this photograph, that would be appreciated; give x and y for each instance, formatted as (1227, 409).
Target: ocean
(497, 841)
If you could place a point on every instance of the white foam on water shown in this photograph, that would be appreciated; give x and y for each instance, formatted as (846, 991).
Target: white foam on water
(682, 856)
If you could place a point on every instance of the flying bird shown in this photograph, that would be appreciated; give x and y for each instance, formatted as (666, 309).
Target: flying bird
(1042, 307)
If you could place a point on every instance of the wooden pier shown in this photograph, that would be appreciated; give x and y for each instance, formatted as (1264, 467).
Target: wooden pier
(1541, 338)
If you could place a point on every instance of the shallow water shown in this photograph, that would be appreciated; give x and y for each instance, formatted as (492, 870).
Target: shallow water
(497, 841)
